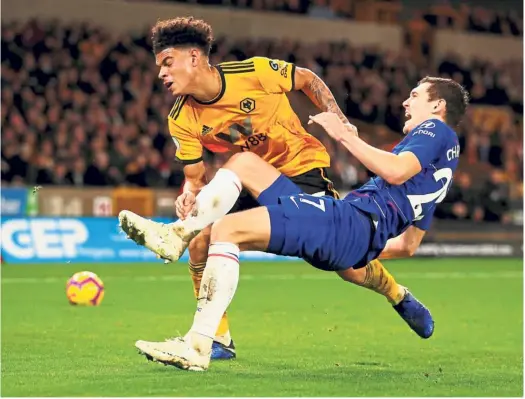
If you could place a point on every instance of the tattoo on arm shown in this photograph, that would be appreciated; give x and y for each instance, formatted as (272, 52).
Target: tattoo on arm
(323, 98)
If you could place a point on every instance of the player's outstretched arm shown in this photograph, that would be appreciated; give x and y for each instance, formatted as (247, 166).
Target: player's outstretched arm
(403, 246)
(319, 93)
(395, 169)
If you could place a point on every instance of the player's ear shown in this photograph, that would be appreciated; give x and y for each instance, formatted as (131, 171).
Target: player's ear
(194, 54)
(439, 106)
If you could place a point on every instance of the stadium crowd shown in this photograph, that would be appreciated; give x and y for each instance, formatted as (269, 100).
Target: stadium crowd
(80, 107)
(442, 14)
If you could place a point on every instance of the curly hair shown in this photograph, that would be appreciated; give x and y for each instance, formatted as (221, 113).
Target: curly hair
(182, 31)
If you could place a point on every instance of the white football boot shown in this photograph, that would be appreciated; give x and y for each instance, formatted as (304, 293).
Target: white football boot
(167, 242)
(176, 352)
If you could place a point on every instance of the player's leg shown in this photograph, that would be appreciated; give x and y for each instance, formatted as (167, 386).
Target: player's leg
(248, 230)
(242, 171)
(375, 277)
(223, 346)
(247, 171)
(263, 181)
(235, 232)
(245, 166)
(215, 200)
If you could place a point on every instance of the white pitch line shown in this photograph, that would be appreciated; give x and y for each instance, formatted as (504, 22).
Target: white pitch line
(276, 277)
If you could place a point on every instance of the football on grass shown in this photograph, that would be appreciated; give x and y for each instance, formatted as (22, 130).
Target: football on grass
(85, 288)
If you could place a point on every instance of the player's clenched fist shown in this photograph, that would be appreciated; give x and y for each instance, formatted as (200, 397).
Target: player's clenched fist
(333, 125)
(185, 204)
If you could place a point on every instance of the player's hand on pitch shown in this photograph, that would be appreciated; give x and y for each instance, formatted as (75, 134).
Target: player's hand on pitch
(185, 205)
(333, 125)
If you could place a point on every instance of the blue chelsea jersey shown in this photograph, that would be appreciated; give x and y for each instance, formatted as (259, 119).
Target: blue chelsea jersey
(396, 207)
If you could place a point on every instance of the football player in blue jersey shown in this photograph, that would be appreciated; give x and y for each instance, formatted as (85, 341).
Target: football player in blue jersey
(385, 218)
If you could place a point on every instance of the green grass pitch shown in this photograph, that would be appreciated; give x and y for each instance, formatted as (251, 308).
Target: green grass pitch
(299, 332)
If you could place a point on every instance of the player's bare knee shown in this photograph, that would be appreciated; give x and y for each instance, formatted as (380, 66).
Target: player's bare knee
(241, 162)
(223, 231)
(219, 231)
(246, 166)
(255, 174)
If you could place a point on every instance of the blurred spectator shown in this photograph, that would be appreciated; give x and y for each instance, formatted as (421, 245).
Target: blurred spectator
(495, 198)
(321, 9)
(462, 201)
(442, 14)
(97, 174)
(77, 175)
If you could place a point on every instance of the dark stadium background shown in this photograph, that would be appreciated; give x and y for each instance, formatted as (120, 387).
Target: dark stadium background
(84, 135)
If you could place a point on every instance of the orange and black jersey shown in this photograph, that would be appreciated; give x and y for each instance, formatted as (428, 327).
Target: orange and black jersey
(251, 113)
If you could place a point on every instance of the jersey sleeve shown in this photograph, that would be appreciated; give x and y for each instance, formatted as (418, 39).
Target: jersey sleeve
(276, 76)
(189, 147)
(183, 133)
(425, 142)
(424, 224)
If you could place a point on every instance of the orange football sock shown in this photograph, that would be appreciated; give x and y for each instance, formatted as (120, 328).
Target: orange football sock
(224, 327)
(378, 279)
(196, 270)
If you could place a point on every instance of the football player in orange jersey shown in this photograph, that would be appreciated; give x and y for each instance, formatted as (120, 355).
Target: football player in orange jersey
(241, 108)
